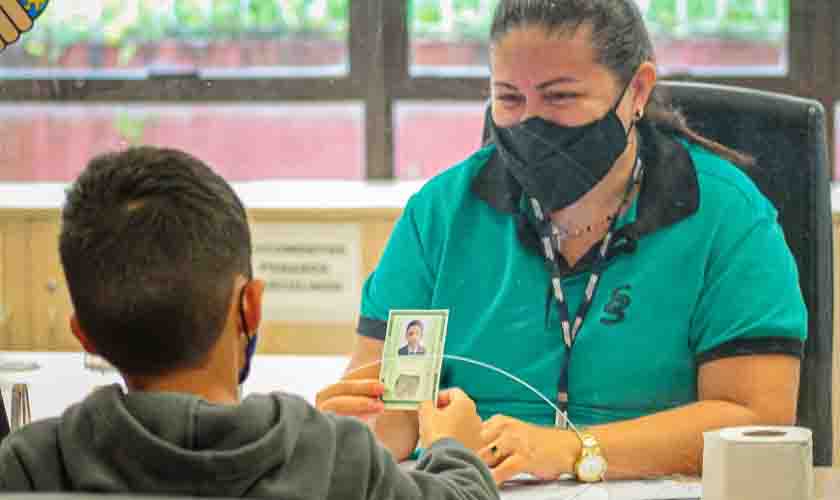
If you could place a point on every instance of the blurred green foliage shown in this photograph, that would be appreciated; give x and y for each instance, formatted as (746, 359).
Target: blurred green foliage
(471, 19)
(740, 19)
(127, 24)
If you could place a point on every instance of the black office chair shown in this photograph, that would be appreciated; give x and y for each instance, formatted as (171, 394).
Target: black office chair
(787, 136)
(4, 420)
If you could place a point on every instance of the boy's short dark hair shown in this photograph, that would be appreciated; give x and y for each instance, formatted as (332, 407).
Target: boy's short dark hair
(151, 242)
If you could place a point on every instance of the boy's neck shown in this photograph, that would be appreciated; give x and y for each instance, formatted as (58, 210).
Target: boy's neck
(192, 381)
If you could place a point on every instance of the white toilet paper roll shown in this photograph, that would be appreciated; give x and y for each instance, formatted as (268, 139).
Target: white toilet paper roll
(758, 463)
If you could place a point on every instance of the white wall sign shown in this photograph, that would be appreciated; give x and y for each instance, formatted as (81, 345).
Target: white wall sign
(312, 271)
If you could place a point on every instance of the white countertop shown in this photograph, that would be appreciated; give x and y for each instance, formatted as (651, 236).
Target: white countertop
(262, 194)
(288, 194)
(63, 380)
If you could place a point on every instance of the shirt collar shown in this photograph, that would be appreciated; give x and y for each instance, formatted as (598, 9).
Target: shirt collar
(669, 191)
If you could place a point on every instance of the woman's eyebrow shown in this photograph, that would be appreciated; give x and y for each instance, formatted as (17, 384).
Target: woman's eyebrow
(541, 86)
(562, 79)
(505, 84)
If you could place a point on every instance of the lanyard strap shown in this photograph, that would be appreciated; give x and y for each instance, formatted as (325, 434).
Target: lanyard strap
(551, 237)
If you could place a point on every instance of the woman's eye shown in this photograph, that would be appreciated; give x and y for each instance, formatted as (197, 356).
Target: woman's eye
(560, 96)
(509, 98)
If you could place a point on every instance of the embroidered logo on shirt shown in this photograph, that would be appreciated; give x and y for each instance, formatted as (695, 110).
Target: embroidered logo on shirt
(618, 304)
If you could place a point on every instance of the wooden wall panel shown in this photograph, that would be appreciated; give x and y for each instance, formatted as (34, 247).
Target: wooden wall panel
(15, 328)
(306, 338)
(51, 307)
(36, 303)
(3, 305)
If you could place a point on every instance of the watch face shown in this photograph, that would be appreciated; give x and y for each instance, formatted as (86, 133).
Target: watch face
(592, 468)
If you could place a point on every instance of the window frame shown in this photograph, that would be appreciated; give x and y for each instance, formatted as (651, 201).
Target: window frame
(378, 76)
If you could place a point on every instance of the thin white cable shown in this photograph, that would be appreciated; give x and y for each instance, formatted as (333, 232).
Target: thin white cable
(489, 367)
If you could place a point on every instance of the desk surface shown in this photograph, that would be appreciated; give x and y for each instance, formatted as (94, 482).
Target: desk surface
(828, 483)
(63, 380)
(827, 488)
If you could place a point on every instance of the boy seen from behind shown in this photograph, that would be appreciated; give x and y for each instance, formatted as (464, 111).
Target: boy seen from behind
(156, 250)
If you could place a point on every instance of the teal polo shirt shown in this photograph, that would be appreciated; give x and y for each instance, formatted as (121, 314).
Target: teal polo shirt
(698, 271)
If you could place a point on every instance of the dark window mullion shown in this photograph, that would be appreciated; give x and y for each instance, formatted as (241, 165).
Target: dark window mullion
(385, 51)
(366, 74)
(399, 46)
(801, 36)
(812, 42)
(832, 96)
(397, 54)
(358, 40)
(443, 88)
(378, 140)
(177, 90)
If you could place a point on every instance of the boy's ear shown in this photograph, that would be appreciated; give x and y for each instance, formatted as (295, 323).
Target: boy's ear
(253, 304)
(80, 335)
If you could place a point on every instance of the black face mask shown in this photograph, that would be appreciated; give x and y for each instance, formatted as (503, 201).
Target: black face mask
(557, 164)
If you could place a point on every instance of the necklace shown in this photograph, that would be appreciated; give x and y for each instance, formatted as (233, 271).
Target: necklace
(562, 233)
(565, 232)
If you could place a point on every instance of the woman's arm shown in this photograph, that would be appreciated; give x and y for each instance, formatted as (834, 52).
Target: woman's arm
(744, 390)
(735, 391)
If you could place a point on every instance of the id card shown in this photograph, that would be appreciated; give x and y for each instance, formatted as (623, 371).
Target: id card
(412, 357)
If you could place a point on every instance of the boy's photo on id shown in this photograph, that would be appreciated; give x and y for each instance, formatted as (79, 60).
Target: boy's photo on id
(413, 344)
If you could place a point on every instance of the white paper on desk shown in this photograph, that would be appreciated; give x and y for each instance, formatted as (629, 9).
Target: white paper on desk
(663, 489)
(652, 489)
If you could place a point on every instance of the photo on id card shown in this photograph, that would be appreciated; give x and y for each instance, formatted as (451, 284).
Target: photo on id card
(412, 357)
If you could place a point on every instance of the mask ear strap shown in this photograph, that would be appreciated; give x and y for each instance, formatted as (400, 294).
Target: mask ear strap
(623, 92)
(636, 118)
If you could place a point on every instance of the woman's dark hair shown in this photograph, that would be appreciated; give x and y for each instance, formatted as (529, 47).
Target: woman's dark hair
(622, 43)
(414, 322)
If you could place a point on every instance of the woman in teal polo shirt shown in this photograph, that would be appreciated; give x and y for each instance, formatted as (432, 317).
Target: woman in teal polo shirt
(601, 251)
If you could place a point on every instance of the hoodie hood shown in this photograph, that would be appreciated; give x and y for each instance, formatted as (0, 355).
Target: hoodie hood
(269, 446)
(145, 441)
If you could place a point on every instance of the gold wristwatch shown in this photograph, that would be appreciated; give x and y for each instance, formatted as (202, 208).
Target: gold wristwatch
(591, 466)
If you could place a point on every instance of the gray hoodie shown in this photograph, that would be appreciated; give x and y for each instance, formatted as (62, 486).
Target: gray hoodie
(272, 445)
